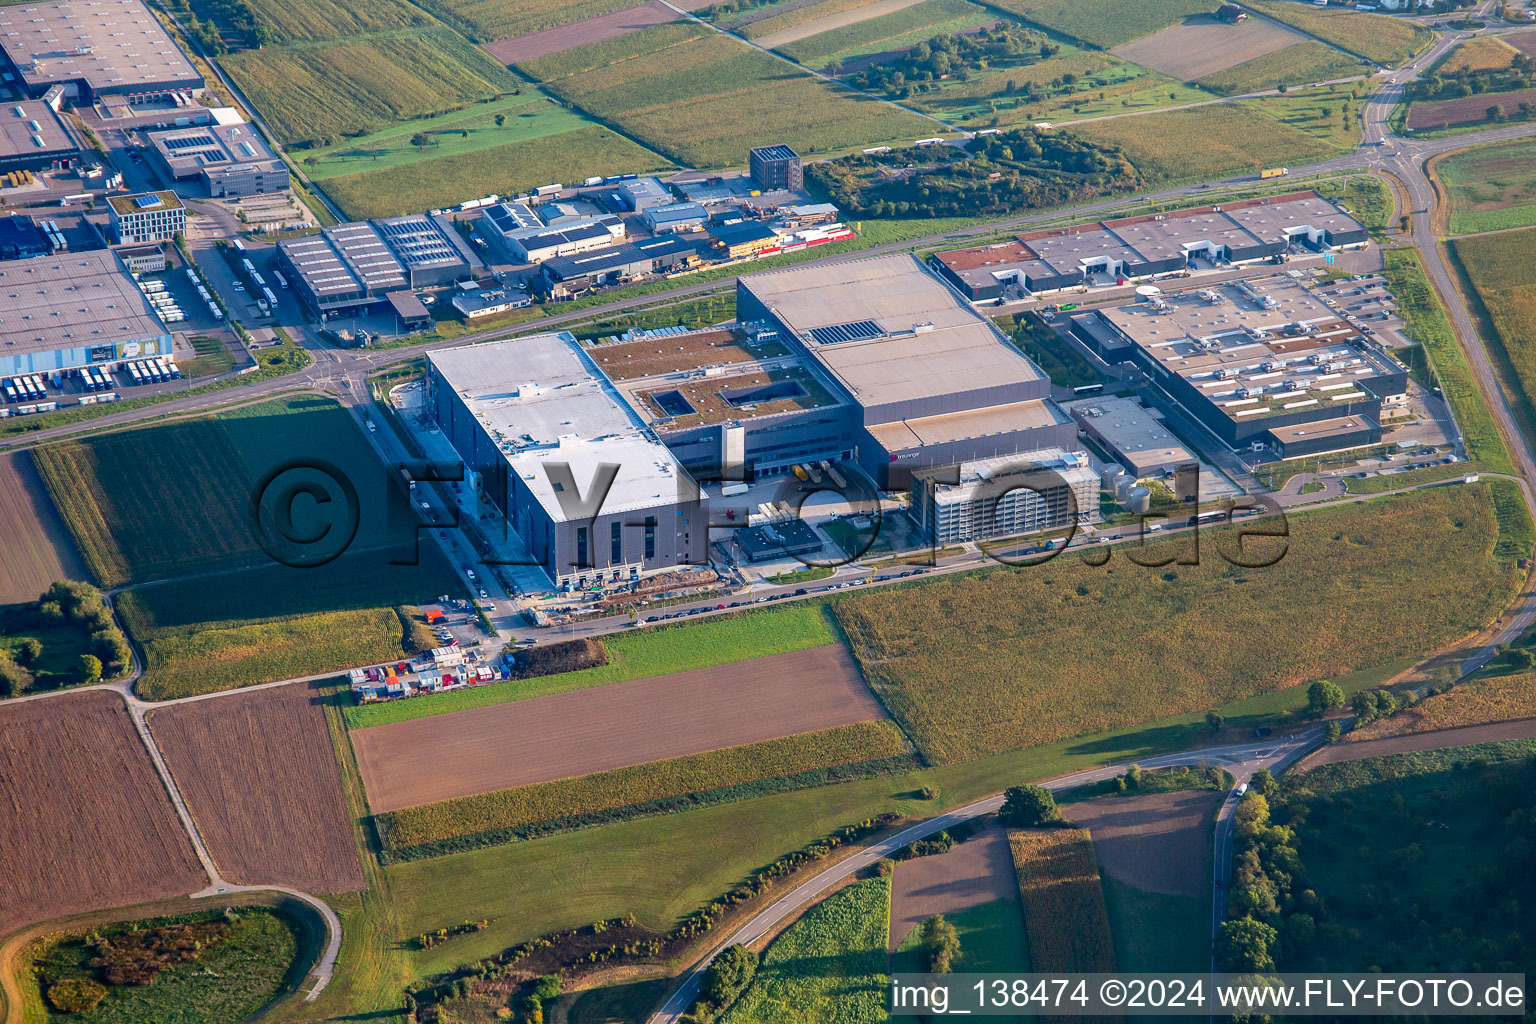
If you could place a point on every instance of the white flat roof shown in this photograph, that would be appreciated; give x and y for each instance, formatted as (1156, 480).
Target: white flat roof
(544, 402)
(930, 342)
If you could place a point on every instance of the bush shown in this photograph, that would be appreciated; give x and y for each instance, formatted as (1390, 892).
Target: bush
(552, 659)
(941, 942)
(29, 651)
(883, 867)
(1026, 806)
(728, 976)
(929, 792)
(76, 995)
(90, 668)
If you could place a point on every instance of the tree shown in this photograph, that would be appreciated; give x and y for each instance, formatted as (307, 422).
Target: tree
(1496, 112)
(1245, 945)
(728, 974)
(1332, 733)
(501, 119)
(420, 140)
(90, 668)
(1133, 777)
(28, 651)
(941, 942)
(1323, 696)
(1264, 783)
(13, 678)
(1024, 806)
(1214, 720)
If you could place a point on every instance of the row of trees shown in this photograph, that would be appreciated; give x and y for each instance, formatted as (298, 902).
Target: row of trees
(1272, 913)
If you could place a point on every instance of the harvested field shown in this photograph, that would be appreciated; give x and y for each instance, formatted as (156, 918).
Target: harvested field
(1159, 842)
(515, 49)
(1483, 53)
(1204, 45)
(976, 871)
(1377, 37)
(88, 824)
(782, 19)
(842, 19)
(1063, 900)
(1477, 702)
(1110, 22)
(1525, 41)
(892, 31)
(37, 546)
(259, 775)
(569, 734)
(1466, 110)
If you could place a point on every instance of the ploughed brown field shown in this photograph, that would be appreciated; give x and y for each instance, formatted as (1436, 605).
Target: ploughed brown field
(532, 45)
(37, 546)
(1160, 842)
(976, 871)
(1203, 46)
(1466, 109)
(85, 823)
(424, 760)
(1494, 732)
(259, 775)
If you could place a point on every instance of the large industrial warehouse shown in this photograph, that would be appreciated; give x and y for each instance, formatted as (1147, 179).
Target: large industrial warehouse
(585, 483)
(34, 138)
(350, 269)
(934, 383)
(1264, 365)
(1139, 247)
(72, 309)
(97, 50)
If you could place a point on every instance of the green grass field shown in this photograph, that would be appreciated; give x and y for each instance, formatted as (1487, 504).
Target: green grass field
(1229, 138)
(829, 967)
(1452, 827)
(227, 981)
(1110, 23)
(703, 99)
(1504, 295)
(503, 169)
(1376, 37)
(898, 30)
(966, 674)
(992, 940)
(1491, 187)
(1426, 323)
(1305, 62)
(637, 655)
(321, 92)
(528, 116)
(1156, 931)
(751, 770)
(212, 357)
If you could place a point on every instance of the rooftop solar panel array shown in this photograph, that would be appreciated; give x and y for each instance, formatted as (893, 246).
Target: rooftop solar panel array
(858, 330)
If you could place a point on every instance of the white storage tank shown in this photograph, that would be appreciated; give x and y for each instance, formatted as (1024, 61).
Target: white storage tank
(1139, 500)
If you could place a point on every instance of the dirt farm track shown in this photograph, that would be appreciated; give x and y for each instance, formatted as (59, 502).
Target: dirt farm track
(259, 775)
(85, 823)
(425, 760)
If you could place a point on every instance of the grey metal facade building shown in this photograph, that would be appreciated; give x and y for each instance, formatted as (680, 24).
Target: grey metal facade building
(776, 168)
(579, 476)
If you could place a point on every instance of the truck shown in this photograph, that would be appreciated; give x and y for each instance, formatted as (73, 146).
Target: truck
(732, 490)
(1272, 172)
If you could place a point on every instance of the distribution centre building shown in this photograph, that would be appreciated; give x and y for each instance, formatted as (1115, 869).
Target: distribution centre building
(96, 50)
(1148, 246)
(934, 383)
(348, 269)
(68, 310)
(582, 480)
(1264, 365)
(34, 138)
(1130, 433)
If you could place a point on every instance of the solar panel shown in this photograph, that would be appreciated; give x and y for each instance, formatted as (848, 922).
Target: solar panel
(858, 330)
(148, 202)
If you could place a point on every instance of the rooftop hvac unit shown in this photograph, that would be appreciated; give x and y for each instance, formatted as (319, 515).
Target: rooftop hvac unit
(1223, 373)
(1244, 392)
(1290, 385)
(1269, 366)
